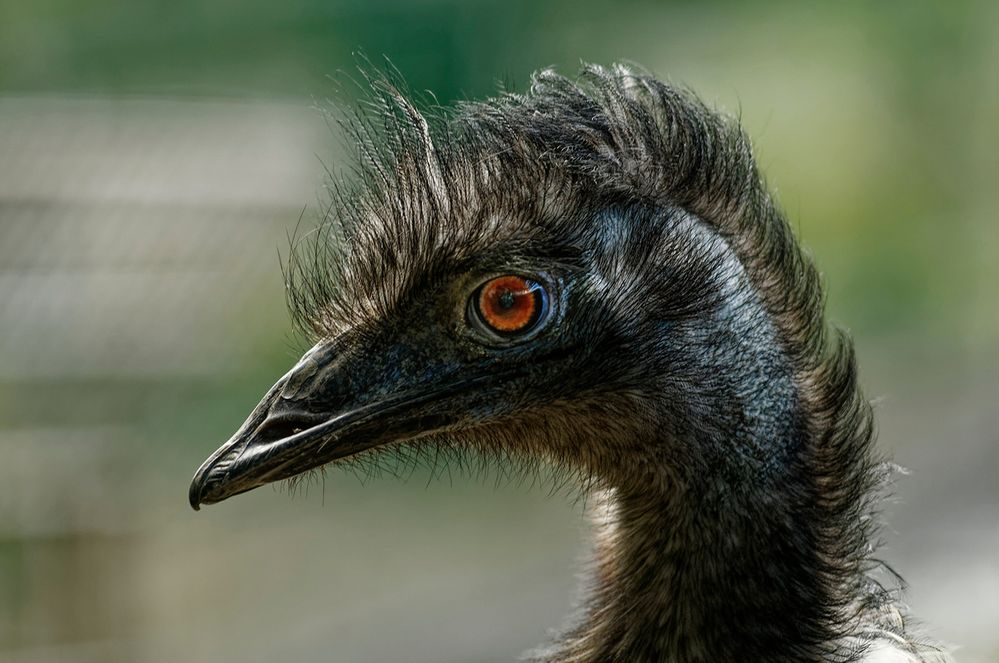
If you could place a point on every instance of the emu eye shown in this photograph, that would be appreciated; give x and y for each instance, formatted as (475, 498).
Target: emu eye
(508, 305)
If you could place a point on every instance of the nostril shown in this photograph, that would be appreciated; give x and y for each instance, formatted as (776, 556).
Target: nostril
(277, 427)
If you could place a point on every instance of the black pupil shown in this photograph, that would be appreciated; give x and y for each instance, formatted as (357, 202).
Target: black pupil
(507, 299)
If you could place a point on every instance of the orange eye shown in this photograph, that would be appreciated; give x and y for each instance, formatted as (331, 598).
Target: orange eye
(509, 304)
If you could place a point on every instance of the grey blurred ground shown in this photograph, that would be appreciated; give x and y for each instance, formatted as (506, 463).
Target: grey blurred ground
(141, 315)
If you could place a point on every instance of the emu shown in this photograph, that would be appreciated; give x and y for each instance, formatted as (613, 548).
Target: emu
(593, 276)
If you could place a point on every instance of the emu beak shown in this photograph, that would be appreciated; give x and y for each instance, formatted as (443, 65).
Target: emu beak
(326, 409)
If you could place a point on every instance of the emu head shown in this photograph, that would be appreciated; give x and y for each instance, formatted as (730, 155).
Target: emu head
(593, 276)
(576, 276)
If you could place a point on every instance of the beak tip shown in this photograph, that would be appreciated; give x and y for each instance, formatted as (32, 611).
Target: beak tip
(194, 495)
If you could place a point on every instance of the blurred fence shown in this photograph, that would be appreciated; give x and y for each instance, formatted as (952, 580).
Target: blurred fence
(138, 243)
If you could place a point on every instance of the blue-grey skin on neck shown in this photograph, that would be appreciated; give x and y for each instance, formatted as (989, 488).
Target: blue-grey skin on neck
(692, 569)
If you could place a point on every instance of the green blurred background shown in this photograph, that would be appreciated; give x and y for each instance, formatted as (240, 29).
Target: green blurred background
(153, 156)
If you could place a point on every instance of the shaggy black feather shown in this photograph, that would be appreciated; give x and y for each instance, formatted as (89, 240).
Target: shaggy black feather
(689, 383)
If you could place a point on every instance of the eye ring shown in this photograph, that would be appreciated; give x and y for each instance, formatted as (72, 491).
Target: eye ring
(508, 306)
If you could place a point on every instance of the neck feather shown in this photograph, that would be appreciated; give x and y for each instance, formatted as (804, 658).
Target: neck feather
(705, 575)
(702, 576)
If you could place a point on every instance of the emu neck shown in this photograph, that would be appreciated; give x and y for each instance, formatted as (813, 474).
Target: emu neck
(702, 575)
(727, 561)
(723, 539)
